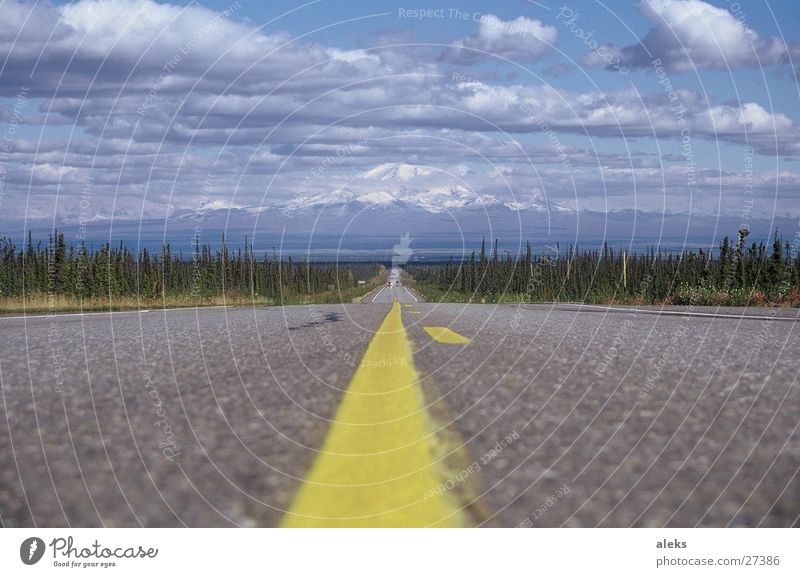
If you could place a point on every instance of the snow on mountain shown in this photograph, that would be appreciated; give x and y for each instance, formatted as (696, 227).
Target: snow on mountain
(217, 208)
(537, 202)
(434, 199)
(219, 204)
(340, 196)
(402, 190)
(379, 197)
(75, 214)
(394, 171)
(438, 199)
(393, 185)
(485, 200)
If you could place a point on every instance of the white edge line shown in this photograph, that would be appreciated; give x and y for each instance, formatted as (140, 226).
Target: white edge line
(578, 307)
(379, 292)
(48, 315)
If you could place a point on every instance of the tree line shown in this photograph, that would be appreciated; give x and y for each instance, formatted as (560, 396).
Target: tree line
(738, 274)
(56, 268)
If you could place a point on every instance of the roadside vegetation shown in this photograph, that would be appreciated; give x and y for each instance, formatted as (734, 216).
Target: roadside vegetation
(737, 274)
(54, 277)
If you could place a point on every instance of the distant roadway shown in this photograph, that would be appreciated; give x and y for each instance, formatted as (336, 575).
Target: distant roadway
(401, 412)
(393, 291)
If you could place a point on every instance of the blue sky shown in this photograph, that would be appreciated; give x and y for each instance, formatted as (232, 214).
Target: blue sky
(142, 102)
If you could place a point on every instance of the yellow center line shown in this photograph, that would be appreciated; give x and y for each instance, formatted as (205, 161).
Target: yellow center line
(446, 336)
(377, 464)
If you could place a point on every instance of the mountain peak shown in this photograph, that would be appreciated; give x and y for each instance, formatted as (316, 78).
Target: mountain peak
(218, 204)
(397, 171)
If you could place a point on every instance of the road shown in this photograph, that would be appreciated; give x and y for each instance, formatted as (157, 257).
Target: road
(401, 412)
(394, 291)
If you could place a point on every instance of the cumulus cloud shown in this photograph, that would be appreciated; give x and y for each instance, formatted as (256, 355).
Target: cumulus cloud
(134, 69)
(100, 47)
(523, 39)
(689, 34)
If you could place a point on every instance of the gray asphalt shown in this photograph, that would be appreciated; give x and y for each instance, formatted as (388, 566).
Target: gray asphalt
(211, 417)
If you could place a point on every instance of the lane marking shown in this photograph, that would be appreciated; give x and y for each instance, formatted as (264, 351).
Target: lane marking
(376, 466)
(379, 292)
(446, 336)
(414, 312)
(411, 295)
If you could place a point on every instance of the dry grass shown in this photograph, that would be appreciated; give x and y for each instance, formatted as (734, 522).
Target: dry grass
(57, 304)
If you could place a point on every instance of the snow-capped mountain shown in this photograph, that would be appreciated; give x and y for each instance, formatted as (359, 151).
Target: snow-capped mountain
(337, 199)
(434, 200)
(392, 171)
(217, 209)
(75, 214)
(407, 186)
(219, 204)
(389, 199)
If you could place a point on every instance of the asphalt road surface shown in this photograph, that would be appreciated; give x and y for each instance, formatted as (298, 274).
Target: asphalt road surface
(401, 412)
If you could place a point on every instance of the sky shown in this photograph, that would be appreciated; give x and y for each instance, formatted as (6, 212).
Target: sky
(131, 109)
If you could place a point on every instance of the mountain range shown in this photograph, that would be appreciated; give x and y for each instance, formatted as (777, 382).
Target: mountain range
(376, 207)
(409, 187)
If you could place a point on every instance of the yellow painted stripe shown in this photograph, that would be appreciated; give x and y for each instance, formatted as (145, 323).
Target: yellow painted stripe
(376, 467)
(446, 336)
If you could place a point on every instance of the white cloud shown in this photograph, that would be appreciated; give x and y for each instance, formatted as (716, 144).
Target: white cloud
(523, 39)
(688, 34)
